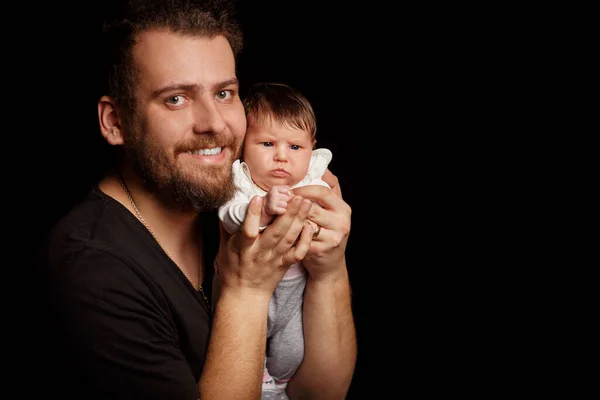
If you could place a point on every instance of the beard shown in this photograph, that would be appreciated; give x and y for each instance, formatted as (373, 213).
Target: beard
(205, 189)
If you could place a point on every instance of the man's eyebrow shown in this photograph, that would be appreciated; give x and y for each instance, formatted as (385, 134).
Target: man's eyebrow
(191, 87)
(232, 81)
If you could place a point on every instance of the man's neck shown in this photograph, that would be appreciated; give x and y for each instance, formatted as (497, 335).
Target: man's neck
(177, 233)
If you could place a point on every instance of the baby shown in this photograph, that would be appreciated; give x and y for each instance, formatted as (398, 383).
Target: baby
(278, 154)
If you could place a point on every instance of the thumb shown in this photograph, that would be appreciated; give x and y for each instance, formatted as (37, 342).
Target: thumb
(282, 188)
(250, 226)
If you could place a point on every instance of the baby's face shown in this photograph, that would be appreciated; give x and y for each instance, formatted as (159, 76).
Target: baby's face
(276, 153)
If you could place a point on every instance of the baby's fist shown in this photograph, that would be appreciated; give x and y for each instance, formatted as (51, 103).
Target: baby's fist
(276, 200)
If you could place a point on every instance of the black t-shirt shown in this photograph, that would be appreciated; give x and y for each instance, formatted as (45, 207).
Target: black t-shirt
(124, 322)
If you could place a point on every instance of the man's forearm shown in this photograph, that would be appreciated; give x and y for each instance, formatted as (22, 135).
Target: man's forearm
(236, 348)
(329, 341)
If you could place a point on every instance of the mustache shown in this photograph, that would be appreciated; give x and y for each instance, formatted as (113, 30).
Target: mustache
(205, 143)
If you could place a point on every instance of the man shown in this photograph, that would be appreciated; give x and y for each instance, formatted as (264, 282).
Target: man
(127, 267)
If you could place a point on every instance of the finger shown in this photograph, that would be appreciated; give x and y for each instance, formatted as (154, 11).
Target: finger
(332, 181)
(278, 211)
(277, 229)
(282, 189)
(298, 252)
(294, 219)
(251, 224)
(286, 196)
(312, 224)
(326, 200)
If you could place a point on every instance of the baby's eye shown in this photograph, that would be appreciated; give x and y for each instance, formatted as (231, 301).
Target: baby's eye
(267, 144)
(294, 147)
(174, 100)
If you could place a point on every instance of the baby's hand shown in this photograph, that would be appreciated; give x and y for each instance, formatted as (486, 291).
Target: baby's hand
(276, 200)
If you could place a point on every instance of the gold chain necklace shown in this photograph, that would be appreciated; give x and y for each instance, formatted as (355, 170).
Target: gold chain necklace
(196, 286)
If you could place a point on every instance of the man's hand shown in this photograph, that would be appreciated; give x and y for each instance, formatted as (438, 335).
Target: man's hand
(333, 182)
(326, 256)
(256, 262)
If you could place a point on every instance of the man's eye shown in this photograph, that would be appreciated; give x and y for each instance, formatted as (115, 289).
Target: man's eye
(224, 94)
(175, 100)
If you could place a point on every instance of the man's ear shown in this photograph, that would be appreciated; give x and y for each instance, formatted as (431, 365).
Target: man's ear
(110, 126)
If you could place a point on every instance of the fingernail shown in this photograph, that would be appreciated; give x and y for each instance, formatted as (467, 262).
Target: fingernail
(306, 205)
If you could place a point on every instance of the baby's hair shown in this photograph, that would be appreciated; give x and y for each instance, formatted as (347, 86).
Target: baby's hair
(283, 104)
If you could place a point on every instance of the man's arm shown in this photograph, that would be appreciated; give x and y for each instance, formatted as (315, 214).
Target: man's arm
(235, 359)
(329, 332)
(329, 342)
(250, 267)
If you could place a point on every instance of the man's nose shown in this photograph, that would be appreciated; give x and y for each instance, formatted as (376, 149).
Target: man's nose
(208, 117)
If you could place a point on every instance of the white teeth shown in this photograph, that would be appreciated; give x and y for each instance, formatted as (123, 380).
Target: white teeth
(206, 152)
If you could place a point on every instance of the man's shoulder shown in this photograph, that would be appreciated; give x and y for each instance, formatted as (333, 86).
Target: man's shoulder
(84, 219)
(96, 223)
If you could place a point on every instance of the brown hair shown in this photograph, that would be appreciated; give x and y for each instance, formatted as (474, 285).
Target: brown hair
(282, 103)
(208, 18)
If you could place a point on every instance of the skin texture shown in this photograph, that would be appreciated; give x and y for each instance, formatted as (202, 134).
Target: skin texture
(278, 157)
(329, 335)
(189, 103)
(187, 100)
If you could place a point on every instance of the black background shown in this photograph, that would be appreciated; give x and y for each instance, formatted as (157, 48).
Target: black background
(400, 93)
(328, 54)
